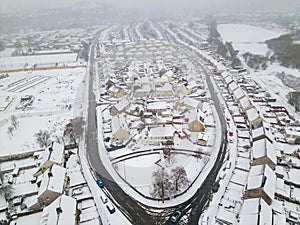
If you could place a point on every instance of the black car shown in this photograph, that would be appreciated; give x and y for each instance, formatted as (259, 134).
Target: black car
(215, 187)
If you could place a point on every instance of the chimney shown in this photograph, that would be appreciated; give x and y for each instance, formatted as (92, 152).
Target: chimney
(58, 210)
(50, 174)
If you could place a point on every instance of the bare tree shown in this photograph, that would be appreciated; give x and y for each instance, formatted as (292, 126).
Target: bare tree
(74, 129)
(5, 188)
(161, 184)
(10, 130)
(168, 155)
(179, 178)
(43, 138)
(14, 121)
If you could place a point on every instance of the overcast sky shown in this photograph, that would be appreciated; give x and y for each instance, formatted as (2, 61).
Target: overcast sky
(266, 5)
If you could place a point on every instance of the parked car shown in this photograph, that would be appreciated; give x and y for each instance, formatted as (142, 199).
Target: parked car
(110, 208)
(100, 182)
(103, 198)
(175, 217)
(215, 187)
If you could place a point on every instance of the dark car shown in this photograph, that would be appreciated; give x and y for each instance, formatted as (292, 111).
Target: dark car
(175, 217)
(99, 182)
(215, 187)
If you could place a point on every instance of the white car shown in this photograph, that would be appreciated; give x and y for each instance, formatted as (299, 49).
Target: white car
(110, 208)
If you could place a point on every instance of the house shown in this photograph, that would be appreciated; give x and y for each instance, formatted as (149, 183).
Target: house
(261, 182)
(261, 133)
(157, 107)
(292, 134)
(228, 80)
(255, 211)
(142, 92)
(60, 212)
(263, 152)
(232, 87)
(119, 128)
(238, 94)
(120, 107)
(191, 103)
(116, 92)
(192, 86)
(161, 134)
(52, 155)
(245, 104)
(254, 118)
(52, 186)
(196, 121)
(168, 75)
(164, 91)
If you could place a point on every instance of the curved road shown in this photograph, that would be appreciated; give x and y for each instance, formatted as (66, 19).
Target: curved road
(135, 213)
(130, 208)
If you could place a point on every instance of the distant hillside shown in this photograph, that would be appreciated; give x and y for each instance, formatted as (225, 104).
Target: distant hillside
(287, 49)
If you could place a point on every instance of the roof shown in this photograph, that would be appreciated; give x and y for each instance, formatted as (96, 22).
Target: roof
(261, 131)
(228, 80)
(238, 93)
(156, 105)
(255, 211)
(53, 153)
(197, 114)
(264, 148)
(232, 86)
(114, 89)
(118, 122)
(67, 208)
(262, 176)
(167, 131)
(191, 102)
(191, 85)
(252, 114)
(55, 182)
(245, 102)
(121, 105)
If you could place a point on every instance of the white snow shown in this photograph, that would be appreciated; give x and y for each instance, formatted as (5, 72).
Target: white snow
(247, 38)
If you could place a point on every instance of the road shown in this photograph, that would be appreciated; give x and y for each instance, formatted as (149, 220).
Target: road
(199, 201)
(135, 213)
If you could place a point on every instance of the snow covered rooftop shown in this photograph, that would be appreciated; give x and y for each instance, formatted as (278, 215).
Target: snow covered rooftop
(238, 93)
(255, 211)
(159, 132)
(261, 132)
(118, 122)
(53, 180)
(60, 212)
(121, 105)
(262, 177)
(161, 105)
(245, 103)
(264, 148)
(54, 154)
(191, 102)
(233, 86)
(252, 114)
(228, 80)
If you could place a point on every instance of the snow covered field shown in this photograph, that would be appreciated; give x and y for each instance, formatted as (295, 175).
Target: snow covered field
(248, 38)
(54, 97)
(19, 62)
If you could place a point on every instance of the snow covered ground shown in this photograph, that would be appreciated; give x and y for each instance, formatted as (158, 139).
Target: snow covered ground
(19, 62)
(51, 108)
(247, 38)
